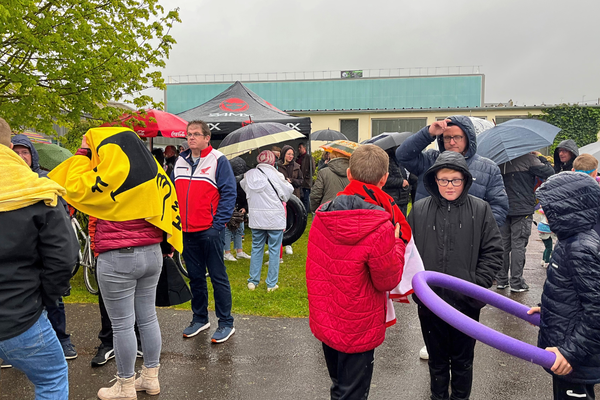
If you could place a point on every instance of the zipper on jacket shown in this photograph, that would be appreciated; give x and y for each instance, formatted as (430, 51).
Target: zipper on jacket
(187, 202)
(445, 241)
(187, 194)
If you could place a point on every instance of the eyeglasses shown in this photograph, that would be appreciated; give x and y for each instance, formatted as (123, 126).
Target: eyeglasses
(444, 182)
(196, 134)
(457, 138)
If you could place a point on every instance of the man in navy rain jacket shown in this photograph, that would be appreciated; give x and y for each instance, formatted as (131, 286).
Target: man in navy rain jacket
(455, 133)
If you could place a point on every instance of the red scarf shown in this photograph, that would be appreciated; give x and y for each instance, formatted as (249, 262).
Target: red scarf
(374, 195)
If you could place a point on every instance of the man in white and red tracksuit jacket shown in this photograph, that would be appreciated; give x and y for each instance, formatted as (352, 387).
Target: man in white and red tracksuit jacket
(206, 191)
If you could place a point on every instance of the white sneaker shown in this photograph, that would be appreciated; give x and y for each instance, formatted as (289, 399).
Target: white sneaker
(251, 286)
(288, 250)
(273, 288)
(423, 354)
(281, 261)
(241, 254)
(229, 257)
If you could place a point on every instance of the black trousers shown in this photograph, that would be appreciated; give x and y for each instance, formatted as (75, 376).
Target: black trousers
(106, 333)
(564, 390)
(350, 373)
(58, 319)
(451, 355)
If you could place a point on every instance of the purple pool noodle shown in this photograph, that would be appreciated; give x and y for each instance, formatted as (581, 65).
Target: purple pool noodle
(476, 330)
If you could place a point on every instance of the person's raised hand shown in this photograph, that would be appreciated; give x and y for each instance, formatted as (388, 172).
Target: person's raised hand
(561, 365)
(397, 233)
(438, 127)
(84, 144)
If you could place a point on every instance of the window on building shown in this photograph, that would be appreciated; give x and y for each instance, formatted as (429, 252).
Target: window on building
(397, 125)
(349, 127)
(503, 118)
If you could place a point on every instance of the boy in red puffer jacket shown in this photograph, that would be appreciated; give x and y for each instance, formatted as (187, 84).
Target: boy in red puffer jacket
(355, 254)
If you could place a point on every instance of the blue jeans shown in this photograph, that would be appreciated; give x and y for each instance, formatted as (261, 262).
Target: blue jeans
(228, 236)
(201, 251)
(259, 237)
(128, 279)
(38, 353)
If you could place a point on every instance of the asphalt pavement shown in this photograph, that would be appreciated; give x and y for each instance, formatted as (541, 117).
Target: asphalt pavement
(278, 358)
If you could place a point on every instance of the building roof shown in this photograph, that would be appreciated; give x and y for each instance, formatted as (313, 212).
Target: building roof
(394, 93)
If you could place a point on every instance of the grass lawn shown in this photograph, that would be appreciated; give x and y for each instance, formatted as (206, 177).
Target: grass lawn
(290, 300)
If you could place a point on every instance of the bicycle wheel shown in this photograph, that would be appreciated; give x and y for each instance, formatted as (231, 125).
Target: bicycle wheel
(78, 235)
(180, 262)
(90, 279)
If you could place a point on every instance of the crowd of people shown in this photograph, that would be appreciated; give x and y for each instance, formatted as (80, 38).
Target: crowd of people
(470, 218)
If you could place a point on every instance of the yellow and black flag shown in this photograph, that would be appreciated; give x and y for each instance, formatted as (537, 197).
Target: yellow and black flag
(122, 181)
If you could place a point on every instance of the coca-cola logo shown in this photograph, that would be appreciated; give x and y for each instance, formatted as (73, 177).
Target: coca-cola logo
(234, 105)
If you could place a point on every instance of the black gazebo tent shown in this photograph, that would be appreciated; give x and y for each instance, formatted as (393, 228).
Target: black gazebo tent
(238, 106)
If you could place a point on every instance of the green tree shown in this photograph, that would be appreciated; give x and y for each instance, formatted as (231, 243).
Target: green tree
(578, 123)
(64, 60)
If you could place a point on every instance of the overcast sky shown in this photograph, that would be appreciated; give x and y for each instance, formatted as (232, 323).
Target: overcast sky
(531, 51)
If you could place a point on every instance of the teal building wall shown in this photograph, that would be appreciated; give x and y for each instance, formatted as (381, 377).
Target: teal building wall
(344, 94)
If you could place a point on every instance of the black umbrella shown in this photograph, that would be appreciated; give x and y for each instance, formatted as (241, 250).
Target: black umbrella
(256, 135)
(388, 140)
(327, 135)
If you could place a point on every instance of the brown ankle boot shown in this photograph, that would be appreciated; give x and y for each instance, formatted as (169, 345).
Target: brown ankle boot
(148, 380)
(123, 389)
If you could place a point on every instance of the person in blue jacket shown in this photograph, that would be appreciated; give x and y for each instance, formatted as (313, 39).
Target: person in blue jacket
(570, 307)
(457, 134)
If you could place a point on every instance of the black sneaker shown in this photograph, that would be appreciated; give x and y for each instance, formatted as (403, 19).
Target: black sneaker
(69, 350)
(104, 354)
(518, 289)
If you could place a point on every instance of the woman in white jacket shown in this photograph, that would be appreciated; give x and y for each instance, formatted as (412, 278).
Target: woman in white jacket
(266, 190)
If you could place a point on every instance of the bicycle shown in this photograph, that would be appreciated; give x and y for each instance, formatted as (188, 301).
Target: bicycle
(180, 262)
(85, 258)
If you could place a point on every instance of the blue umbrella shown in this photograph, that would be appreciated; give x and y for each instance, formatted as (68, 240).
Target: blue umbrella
(515, 138)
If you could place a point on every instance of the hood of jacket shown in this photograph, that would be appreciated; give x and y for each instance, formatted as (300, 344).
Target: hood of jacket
(22, 140)
(339, 166)
(238, 165)
(350, 219)
(571, 202)
(452, 160)
(257, 180)
(570, 145)
(467, 127)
